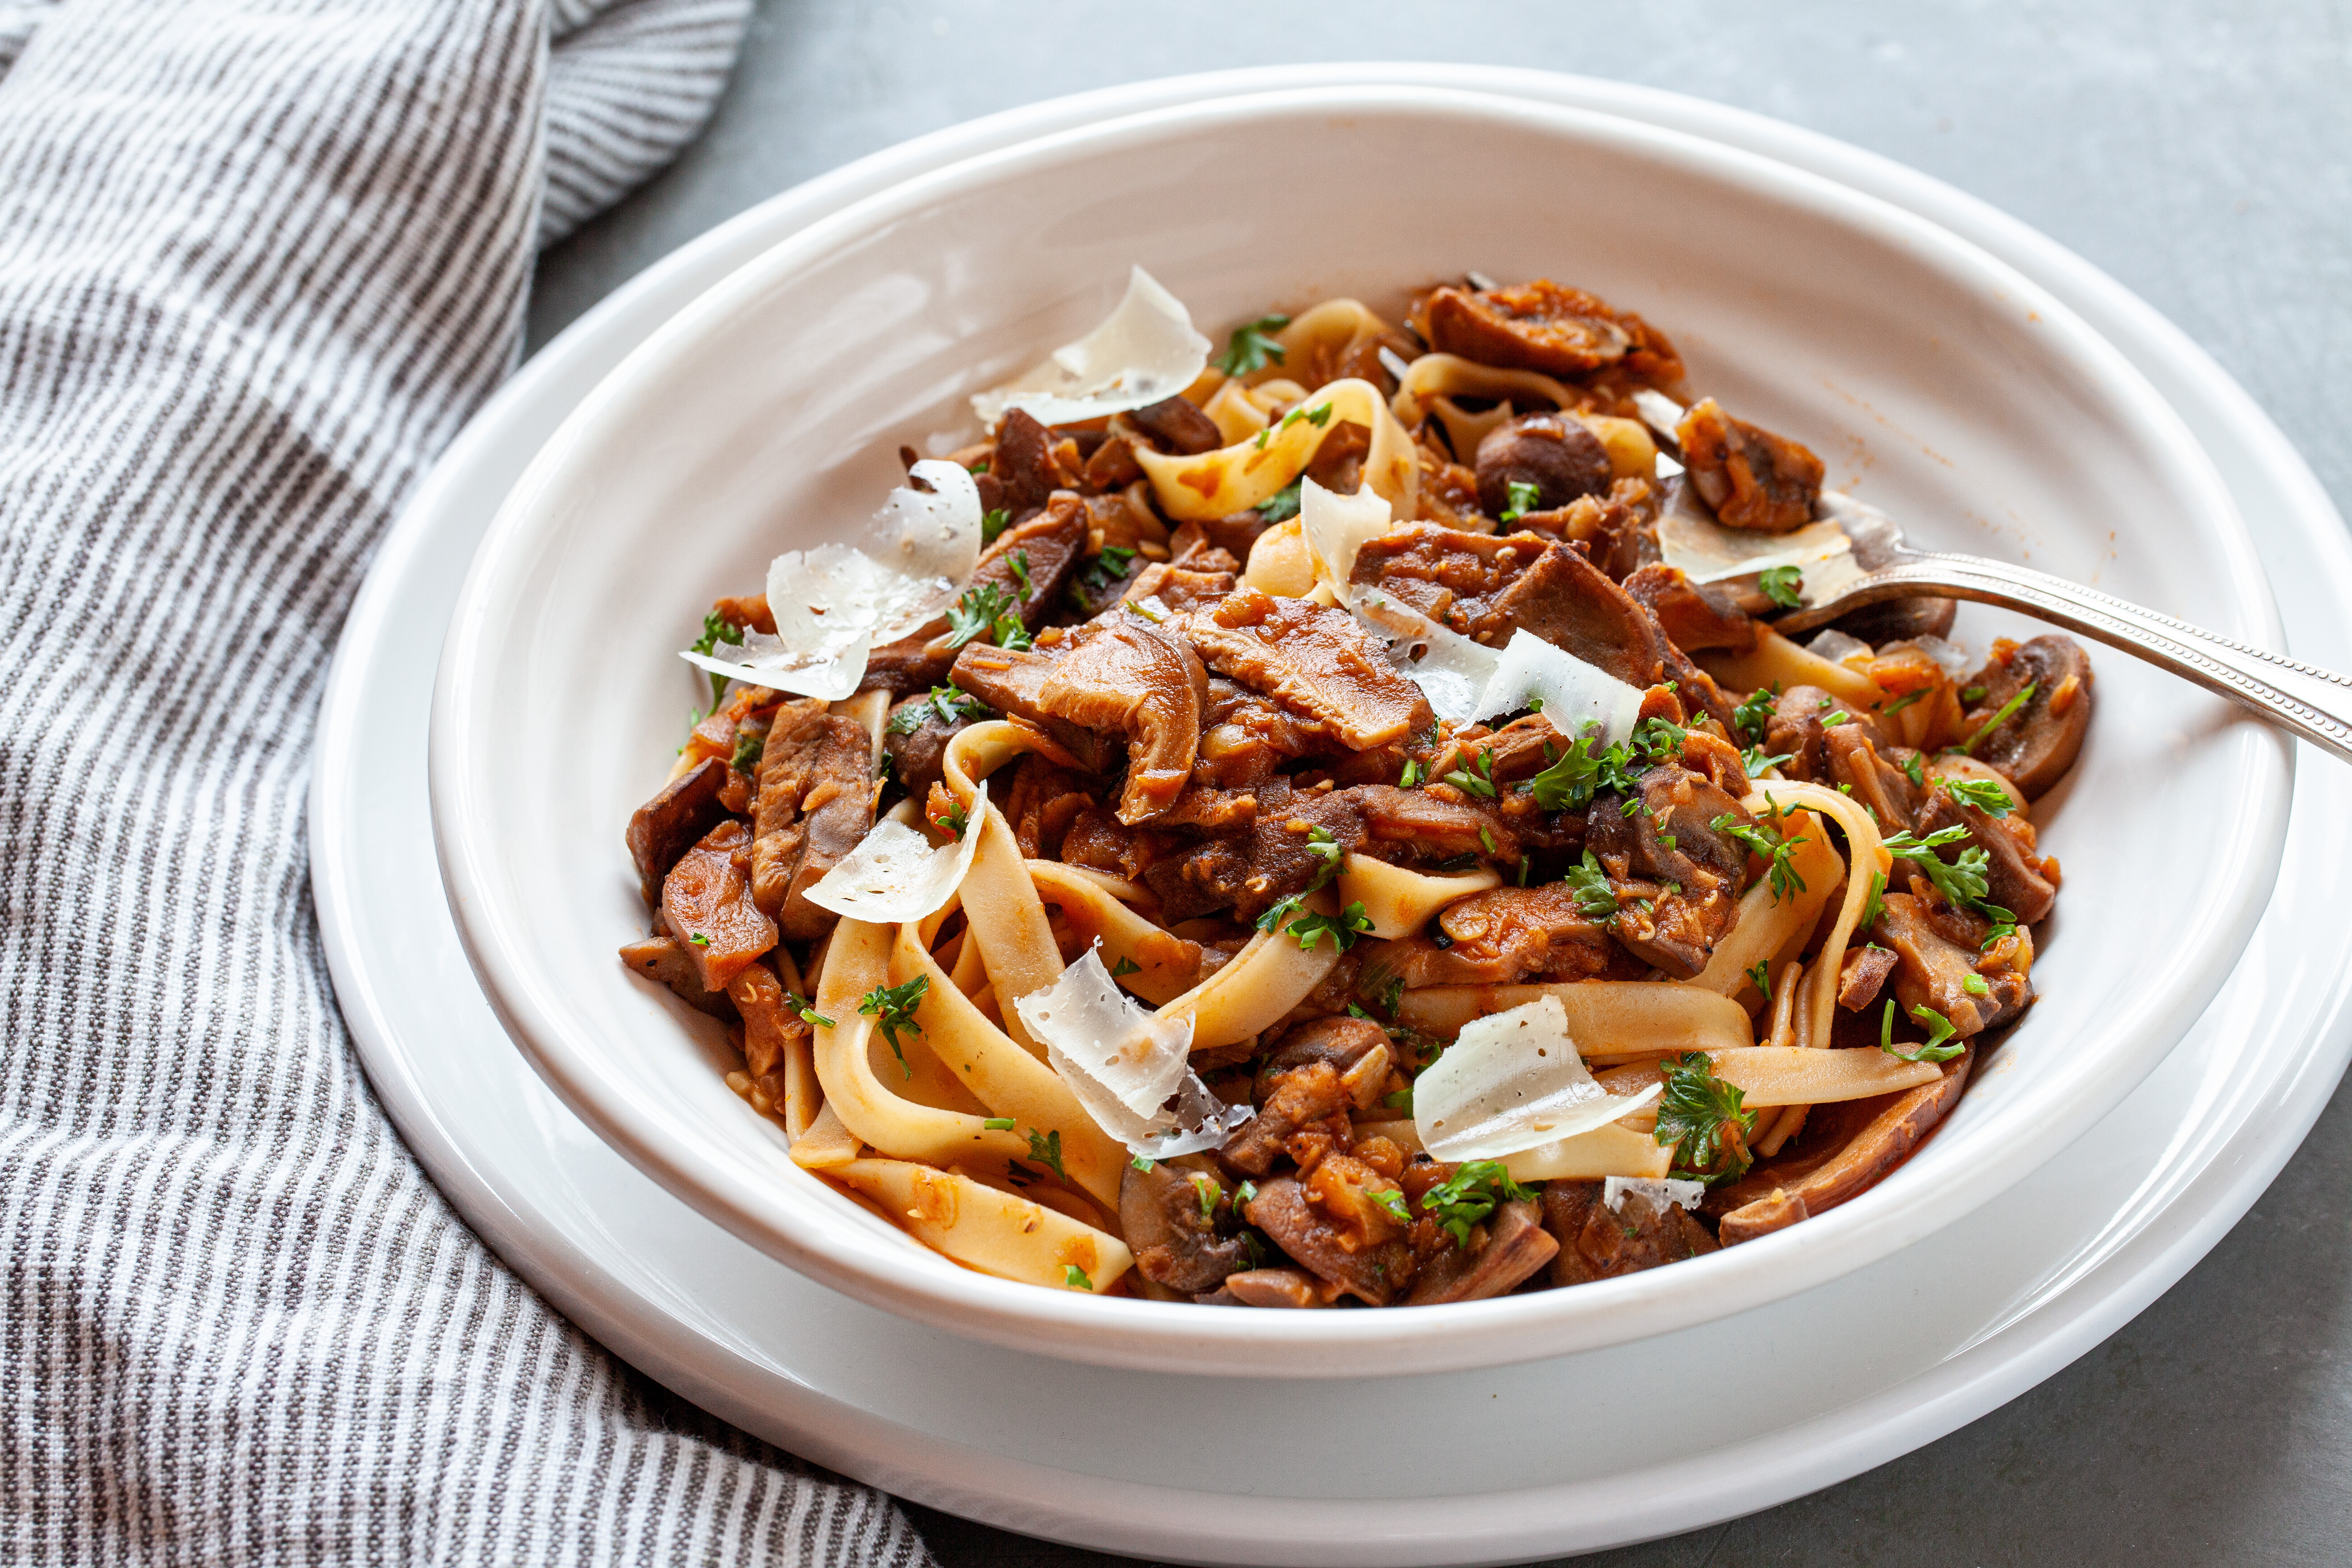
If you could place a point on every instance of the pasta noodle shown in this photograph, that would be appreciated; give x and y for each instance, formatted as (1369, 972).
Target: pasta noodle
(1196, 875)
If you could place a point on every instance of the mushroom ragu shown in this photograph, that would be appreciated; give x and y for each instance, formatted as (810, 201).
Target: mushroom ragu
(1283, 828)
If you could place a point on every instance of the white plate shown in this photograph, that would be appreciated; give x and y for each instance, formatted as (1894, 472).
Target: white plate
(1568, 1453)
(1986, 415)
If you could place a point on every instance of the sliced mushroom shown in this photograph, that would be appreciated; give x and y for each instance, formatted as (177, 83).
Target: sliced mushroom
(1318, 664)
(1012, 681)
(1024, 463)
(1668, 854)
(916, 738)
(1693, 616)
(1544, 326)
(1857, 766)
(660, 958)
(667, 826)
(1290, 1287)
(1937, 972)
(1861, 976)
(1899, 620)
(2013, 877)
(1358, 1050)
(815, 801)
(1126, 678)
(2034, 746)
(1599, 1243)
(1554, 453)
(1515, 1247)
(1372, 1274)
(1168, 1214)
(1571, 604)
(771, 1026)
(706, 904)
(1030, 565)
(1305, 1097)
(1175, 425)
(1775, 1196)
(1753, 478)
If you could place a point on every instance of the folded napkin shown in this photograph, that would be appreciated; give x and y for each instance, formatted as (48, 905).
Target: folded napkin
(259, 260)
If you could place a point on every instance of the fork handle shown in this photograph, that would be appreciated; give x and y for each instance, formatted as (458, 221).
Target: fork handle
(2313, 703)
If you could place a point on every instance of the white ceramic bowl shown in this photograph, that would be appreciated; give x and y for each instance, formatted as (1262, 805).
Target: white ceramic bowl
(1934, 381)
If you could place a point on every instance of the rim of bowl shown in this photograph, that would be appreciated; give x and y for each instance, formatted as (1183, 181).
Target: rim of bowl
(804, 1232)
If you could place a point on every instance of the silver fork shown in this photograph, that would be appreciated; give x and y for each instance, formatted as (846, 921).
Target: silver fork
(2313, 703)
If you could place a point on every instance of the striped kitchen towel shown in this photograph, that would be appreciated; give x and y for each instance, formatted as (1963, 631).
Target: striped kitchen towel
(259, 260)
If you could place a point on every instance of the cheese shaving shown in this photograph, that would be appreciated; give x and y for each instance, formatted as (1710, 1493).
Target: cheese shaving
(1124, 1063)
(1145, 351)
(1451, 671)
(1657, 1192)
(1572, 693)
(1510, 1081)
(896, 874)
(835, 603)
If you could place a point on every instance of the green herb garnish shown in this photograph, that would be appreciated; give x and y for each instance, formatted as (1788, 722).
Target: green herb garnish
(1252, 346)
(1524, 498)
(1469, 1195)
(1985, 795)
(1699, 1116)
(1783, 585)
(892, 1009)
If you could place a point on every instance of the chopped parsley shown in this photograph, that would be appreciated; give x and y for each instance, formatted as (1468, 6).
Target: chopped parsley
(1280, 910)
(1281, 506)
(1343, 927)
(1960, 881)
(1759, 974)
(1524, 498)
(1836, 719)
(1076, 1277)
(1019, 562)
(807, 1010)
(1145, 1163)
(1755, 712)
(994, 521)
(2004, 925)
(1399, 1100)
(1783, 585)
(1699, 1116)
(950, 703)
(1209, 1192)
(699, 939)
(1480, 783)
(1411, 776)
(717, 630)
(1934, 1049)
(1586, 768)
(1874, 905)
(1589, 886)
(1044, 1148)
(1124, 967)
(1975, 985)
(986, 607)
(1469, 1195)
(953, 824)
(998, 1123)
(1753, 760)
(1318, 416)
(1968, 747)
(750, 746)
(1252, 346)
(1106, 569)
(892, 1009)
(1985, 795)
(1903, 701)
(1972, 694)
(1914, 768)
(1391, 1203)
(1775, 848)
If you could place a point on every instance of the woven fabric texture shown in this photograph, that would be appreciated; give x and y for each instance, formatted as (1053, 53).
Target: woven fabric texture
(259, 260)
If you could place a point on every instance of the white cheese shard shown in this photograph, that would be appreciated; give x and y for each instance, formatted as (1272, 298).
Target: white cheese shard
(1572, 693)
(1451, 670)
(1512, 1081)
(1655, 1192)
(1837, 647)
(1124, 1062)
(835, 603)
(1145, 351)
(896, 874)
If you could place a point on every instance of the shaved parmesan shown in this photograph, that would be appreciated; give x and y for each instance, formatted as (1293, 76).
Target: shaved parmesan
(1512, 1081)
(896, 874)
(1571, 692)
(1451, 670)
(1654, 1193)
(1837, 647)
(1124, 1063)
(835, 603)
(1144, 351)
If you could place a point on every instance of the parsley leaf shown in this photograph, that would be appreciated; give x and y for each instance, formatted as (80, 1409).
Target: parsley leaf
(1759, 974)
(1904, 701)
(1914, 768)
(1281, 910)
(1939, 1029)
(1755, 712)
(1481, 783)
(1044, 1148)
(1775, 848)
(1076, 1277)
(1207, 1190)
(1343, 927)
(1469, 1195)
(1985, 795)
(1961, 880)
(1252, 346)
(1699, 1116)
(1753, 760)
(1584, 770)
(1124, 967)
(892, 1009)
(1109, 567)
(998, 1123)
(949, 702)
(1392, 1203)
(1783, 585)
(1318, 416)
(993, 522)
(807, 1010)
(1589, 886)
(986, 607)
(1281, 506)
(1872, 910)
(1524, 498)
(717, 630)
(750, 746)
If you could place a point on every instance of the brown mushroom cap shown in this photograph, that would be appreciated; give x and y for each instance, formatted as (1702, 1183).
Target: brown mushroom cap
(1175, 1243)
(1553, 452)
(2034, 746)
(1126, 677)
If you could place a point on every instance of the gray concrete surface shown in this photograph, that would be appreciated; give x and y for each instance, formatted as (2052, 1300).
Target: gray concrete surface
(2200, 153)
